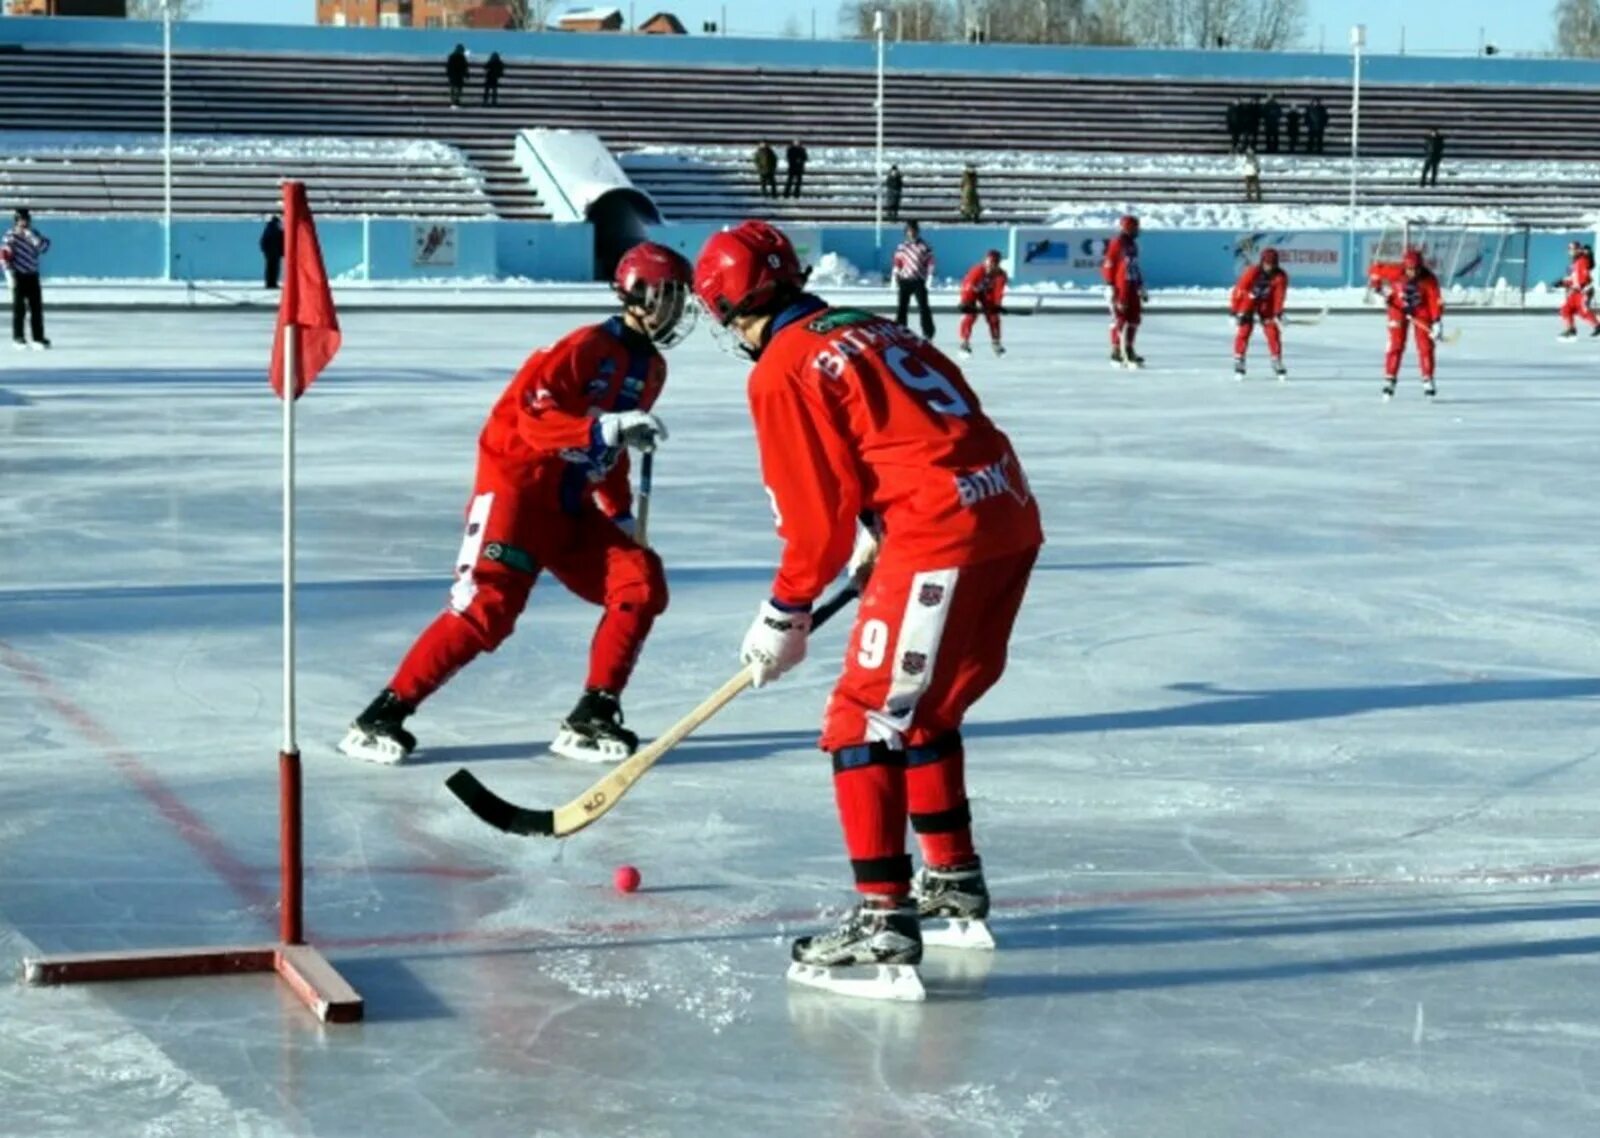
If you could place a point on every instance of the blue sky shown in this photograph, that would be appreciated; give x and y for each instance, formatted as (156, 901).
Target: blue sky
(1426, 25)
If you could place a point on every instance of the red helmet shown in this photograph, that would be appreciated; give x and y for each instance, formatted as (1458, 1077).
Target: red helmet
(1129, 225)
(741, 270)
(992, 255)
(656, 281)
(1412, 259)
(1269, 258)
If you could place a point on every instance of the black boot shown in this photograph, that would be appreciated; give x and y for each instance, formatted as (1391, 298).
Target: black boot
(377, 734)
(593, 732)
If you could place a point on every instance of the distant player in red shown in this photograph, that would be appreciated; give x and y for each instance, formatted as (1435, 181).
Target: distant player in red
(1119, 268)
(1411, 293)
(1579, 283)
(983, 290)
(857, 417)
(1259, 295)
(552, 494)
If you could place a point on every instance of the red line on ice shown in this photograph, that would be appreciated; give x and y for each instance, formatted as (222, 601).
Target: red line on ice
(240, 877)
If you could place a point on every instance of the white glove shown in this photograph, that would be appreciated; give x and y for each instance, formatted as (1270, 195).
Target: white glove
(775, 643)
(637, 429)
(864, 556)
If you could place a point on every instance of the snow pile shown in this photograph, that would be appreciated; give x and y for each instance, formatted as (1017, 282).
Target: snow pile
(833, 271)
(1229, 215)
(83, 145)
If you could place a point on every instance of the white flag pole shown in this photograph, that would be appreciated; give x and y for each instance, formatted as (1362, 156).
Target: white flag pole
(291, 337)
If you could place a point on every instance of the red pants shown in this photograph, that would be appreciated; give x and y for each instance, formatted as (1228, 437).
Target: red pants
(969, 317)
(1269, 328)
(1127, 310)
(1397, 347)
(926, 646)
(510, 539)
(1577, 308)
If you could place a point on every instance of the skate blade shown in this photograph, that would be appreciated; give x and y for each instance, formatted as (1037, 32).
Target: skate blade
(359, 745)
(898, 982)
(974, 935)
(571, 745)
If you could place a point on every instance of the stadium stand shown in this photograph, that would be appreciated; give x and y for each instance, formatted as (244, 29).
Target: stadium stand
(635, 105)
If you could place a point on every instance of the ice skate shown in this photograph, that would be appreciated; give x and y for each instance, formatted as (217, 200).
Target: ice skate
(1132, 360)
(1116, 357)
(19, 345)
(999, 348)
(964, 348)
(1428, 389)
(1278, 369)
(1388, 390)
(377, 735)
(593, 732)
(1595, 331)
(873, 954)
(1238, 368)
(1567, 334)
(39, 345)
(954, 906)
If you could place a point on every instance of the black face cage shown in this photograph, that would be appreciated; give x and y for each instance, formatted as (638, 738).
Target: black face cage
(665, 311)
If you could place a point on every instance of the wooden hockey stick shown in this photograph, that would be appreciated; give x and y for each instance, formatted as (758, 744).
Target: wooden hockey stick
(593, 803)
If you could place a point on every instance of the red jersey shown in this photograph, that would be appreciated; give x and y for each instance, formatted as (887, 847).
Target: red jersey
(1418, 299)
(1119, 268)
(980, 286)
(854, 414)
(1260, 291)
(1580, 277)
(543, 431)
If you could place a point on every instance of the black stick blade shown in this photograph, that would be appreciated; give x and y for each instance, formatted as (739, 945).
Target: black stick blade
(502, 815)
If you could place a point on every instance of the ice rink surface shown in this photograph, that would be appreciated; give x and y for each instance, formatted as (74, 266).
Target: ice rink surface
(1290, 798)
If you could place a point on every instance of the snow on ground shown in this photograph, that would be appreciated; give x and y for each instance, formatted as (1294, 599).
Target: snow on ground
(25, 146)
(1286, 798)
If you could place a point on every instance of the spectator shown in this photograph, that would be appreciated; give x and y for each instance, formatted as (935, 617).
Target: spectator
(1316, 127)
(1235, 125)
(456, 70)
(272, 249)
(893, 187)
(1272, 121)
(794, 163)
(1250, 166)
(20, 250)
(766, 160)
(1432, 155)
(493, 72)
(1291, 122)
(971, 208)
(1253, 123)
(913, 265)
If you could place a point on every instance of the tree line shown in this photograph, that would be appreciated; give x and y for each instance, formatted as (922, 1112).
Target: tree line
(1261, 25)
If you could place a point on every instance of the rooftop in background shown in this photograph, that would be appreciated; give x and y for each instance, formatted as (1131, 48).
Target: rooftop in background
(745, 54)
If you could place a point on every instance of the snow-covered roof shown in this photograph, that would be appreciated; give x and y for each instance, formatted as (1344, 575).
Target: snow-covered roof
(592, 14)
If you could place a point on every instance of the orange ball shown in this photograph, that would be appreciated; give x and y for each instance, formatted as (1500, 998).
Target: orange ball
(626, 879)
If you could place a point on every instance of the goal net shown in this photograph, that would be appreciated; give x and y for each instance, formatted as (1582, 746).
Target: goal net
(1477, 264)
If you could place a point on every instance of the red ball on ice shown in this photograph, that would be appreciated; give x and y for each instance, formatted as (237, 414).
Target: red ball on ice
(626, 879)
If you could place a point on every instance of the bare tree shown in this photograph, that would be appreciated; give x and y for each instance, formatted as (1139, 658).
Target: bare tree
(1578, 27)
(903, 20)
(151, 9)
(1263, 25)
(1260, 24)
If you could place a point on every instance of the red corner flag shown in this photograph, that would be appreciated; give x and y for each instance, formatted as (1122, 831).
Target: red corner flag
(307, 302)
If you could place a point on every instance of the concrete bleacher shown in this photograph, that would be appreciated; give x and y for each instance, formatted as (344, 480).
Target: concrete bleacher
(710, 183)
(238, 177)
(632, 105)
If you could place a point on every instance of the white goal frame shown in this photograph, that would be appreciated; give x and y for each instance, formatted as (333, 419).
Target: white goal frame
(1479, 264)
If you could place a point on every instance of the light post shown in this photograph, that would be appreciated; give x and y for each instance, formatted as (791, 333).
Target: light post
(877, 222)
(166, 139)
(1358, 40)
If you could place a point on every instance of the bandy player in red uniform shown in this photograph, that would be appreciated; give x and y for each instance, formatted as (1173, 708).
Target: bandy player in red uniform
(854, 416)
(983, 289)
(1579, 283)
(552, 494)
(1413, 300)
(1119, 268)
(1259, 295)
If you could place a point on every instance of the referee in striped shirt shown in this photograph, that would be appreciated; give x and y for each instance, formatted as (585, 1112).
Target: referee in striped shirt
(913, 265)
(20, 250)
